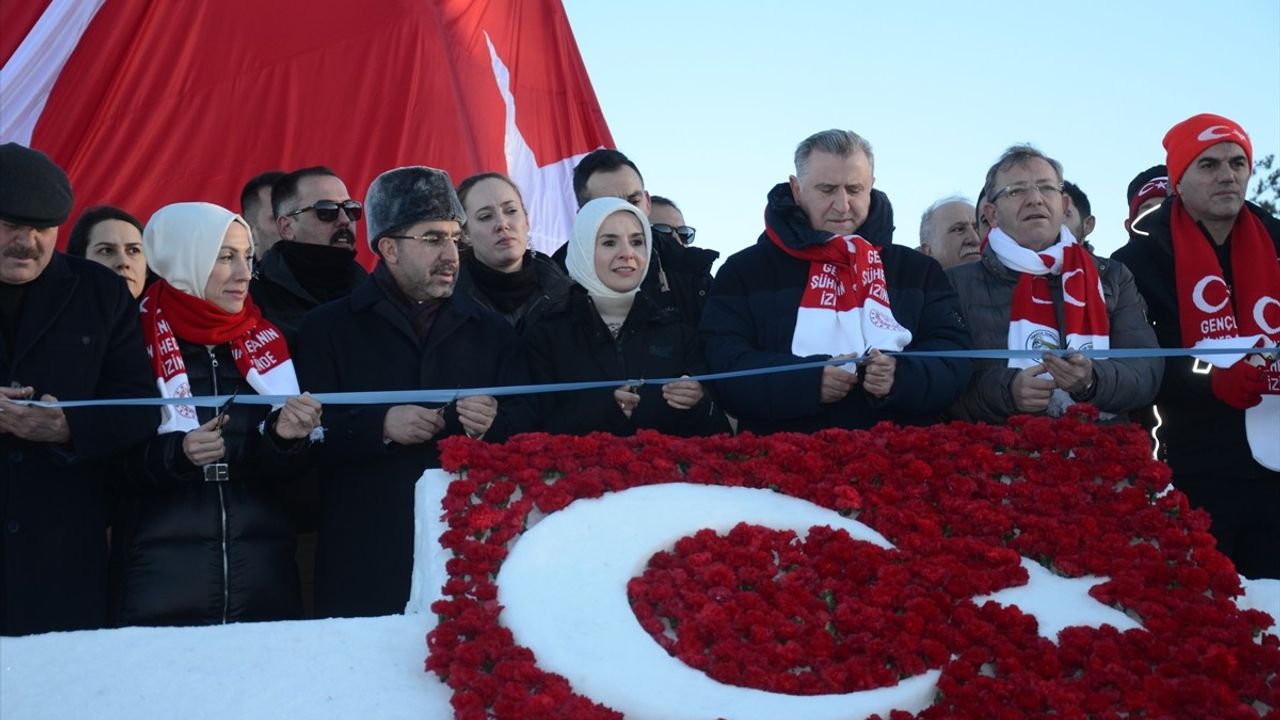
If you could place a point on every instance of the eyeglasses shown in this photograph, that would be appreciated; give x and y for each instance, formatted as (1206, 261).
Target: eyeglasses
(1018, 191)
(433, 239)
(327, 210)
(685, 232)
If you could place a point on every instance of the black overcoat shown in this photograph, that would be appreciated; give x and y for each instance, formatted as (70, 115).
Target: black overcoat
(364, 343)
(78, 339)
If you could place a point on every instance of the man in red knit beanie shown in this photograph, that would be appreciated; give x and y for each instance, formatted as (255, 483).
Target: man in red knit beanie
(1207, 266)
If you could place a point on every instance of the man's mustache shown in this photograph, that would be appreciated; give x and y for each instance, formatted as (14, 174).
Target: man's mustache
(20, 252)
(342, 236)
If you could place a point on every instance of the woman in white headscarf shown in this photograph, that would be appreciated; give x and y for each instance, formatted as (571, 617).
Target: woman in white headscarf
(201, 534)
(607, 330)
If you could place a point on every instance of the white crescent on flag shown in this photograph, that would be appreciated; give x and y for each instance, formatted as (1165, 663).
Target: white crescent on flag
(147, 102)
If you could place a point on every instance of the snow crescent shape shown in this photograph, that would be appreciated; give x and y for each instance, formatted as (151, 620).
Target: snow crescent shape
(1197, 294)
(563, 589)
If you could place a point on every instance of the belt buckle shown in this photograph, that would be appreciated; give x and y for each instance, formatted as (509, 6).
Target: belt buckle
(216, 472)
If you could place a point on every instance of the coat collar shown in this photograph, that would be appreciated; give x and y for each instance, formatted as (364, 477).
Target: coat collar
(784, 216)
(456, 311)
(46, 298)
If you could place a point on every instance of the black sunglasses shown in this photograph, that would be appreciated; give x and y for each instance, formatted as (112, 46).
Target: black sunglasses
(685, 232)
(327, 210)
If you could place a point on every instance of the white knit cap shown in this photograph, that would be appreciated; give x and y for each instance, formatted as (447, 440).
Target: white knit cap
(580, 258)
(182, 240)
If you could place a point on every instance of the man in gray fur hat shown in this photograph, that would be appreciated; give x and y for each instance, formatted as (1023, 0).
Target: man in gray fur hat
(401, 330)
(68, 330)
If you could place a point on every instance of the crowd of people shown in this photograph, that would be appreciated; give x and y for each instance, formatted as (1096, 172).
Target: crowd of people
(185, 514)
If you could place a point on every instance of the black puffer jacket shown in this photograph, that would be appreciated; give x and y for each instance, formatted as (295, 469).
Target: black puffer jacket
(750, 318)
(1200, 433)
(190, 552)
(572, 344)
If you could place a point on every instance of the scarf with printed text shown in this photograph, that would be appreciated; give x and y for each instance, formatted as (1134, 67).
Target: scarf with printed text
(1033, 317)
(257, 347)
(1247, 313)
(845, 305)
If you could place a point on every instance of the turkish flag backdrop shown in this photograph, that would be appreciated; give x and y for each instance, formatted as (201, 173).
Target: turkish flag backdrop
(163, 101)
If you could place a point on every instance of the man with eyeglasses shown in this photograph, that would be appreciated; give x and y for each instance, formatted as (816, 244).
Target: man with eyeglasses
(1037, 288)
(1208, 263)
(313, 262)
(825, 281)
(679, 277)
(402, 329)
(665, 218)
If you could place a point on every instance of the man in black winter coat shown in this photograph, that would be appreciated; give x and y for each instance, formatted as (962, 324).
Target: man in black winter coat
(825, 280)
(68, 330)
(314, 260)
(400, 330)
(1206, 262)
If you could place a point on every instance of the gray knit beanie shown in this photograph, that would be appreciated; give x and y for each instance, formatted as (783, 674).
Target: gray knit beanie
(407, 195)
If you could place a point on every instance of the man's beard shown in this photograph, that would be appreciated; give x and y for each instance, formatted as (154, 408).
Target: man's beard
(422, 289)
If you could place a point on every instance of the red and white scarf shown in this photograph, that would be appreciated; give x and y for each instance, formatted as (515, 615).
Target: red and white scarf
(1212, 314)
(845, 305)
(257, 347)
(1033, 320)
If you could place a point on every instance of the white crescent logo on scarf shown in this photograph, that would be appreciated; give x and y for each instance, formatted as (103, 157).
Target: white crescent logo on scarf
(1197, 294)
(1210, 133)
(1066, 295)
(1260, 315)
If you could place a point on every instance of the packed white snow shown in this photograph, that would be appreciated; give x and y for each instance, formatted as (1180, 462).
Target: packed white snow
(318, 669)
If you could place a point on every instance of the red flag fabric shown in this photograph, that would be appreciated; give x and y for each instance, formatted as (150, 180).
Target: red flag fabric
(156, 102)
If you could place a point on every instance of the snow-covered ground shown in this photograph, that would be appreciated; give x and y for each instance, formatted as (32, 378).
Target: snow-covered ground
(318, 669)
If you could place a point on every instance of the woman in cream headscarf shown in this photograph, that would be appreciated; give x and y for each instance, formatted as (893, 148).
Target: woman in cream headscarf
(201, 535)
(607, 330)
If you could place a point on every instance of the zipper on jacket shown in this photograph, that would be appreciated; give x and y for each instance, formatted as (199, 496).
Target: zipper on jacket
(222, 508)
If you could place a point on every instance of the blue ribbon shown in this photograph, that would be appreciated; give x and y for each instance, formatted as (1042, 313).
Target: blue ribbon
(400, 397)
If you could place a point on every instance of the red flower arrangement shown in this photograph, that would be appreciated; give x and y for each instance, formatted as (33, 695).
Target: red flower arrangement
(828, 614)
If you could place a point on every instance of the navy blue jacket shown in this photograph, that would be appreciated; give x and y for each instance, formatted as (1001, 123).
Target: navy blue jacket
(751, 315)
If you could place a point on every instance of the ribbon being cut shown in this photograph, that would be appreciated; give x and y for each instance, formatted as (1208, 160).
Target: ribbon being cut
(1033, 321)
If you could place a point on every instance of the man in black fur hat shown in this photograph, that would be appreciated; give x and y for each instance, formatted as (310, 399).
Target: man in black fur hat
(68, 330)
(402, 329)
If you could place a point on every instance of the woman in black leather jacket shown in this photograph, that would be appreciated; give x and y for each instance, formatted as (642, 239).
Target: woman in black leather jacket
(201, 535)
